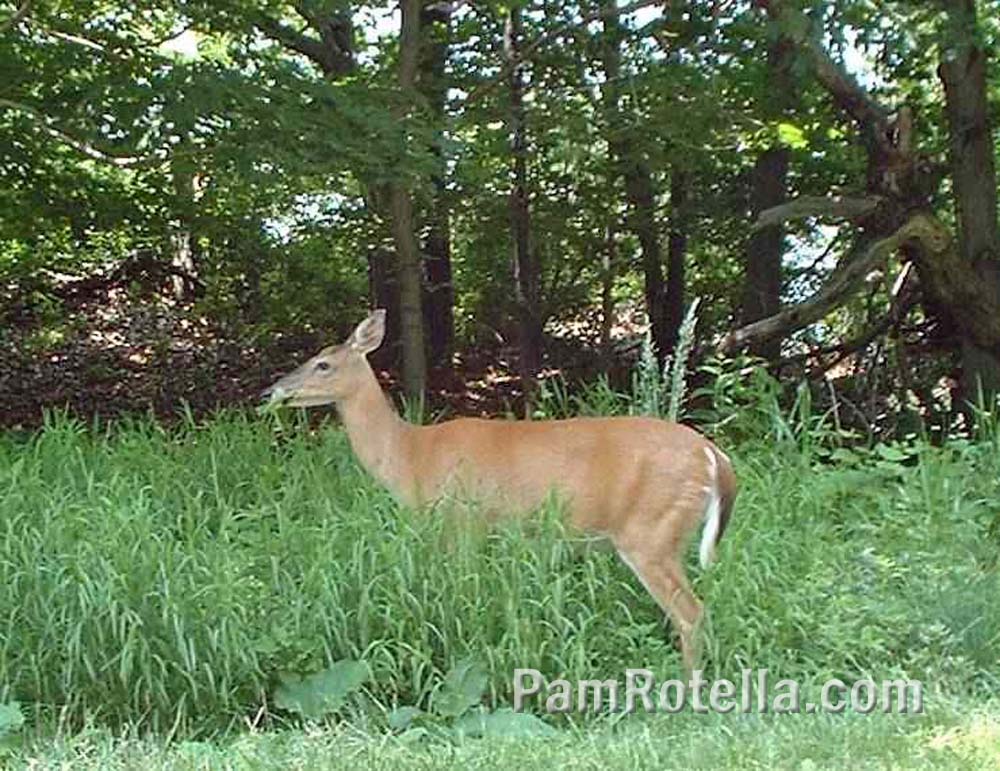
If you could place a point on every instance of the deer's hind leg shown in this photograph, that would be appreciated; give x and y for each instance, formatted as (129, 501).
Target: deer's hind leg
(657, 563)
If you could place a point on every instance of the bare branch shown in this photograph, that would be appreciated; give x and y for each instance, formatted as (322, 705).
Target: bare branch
(66, 37)
(112, 46)
(170, 36)
(903, 298)
(824, 207)
(820, 258)
(46, 123)
(841, 285)
(445, 8)
(8, 24)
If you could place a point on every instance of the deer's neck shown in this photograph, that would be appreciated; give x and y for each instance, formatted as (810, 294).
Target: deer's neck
(378, 435)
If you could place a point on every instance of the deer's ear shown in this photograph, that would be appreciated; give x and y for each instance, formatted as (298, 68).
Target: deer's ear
(368, 335)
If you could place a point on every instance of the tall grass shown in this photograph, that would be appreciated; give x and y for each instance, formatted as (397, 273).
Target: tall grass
(164, 578)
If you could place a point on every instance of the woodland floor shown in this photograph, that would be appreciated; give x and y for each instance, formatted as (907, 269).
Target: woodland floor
(97, 349)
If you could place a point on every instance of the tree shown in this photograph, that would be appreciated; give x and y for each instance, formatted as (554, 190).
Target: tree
(439, 297)
(768, 188)
(971, 149)
(525, 261)
(410, 274)
(633, 169)
(897, 213)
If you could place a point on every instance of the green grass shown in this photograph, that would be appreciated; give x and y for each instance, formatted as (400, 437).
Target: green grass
(949, 737)
(154, 584)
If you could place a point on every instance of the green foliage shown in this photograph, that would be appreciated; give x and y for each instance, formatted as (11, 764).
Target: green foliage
(677, 363)
(647, 380)
(462, 688)
(321, 693)
(792, 136)
(455, 711)
(952, 735)
(656, 391)
(169, 575)
(11, 719)
(503, 723)
(555, 399)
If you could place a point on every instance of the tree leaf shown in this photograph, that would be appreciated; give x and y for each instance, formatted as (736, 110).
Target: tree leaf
(792, 136)
(891, 453)
(320, 693)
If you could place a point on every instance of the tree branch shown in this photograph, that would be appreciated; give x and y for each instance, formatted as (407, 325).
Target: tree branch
(93, 45)
(826, 207)
(8, 24)
(328, 52)
(528, 51)
(845, 90)
(80, 145)
(309, 47)
(902, 299)
(841, 285)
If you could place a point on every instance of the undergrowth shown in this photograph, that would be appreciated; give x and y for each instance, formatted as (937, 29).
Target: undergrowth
(171, 580)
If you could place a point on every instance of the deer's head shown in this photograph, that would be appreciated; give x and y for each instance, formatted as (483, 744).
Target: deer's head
(334, 373)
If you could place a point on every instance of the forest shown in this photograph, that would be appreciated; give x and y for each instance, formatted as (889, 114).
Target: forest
(775, 221)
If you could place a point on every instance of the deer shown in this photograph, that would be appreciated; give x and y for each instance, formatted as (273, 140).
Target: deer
(643, 483)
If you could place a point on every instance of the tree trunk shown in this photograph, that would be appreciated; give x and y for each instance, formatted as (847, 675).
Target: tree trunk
(973, 173)
(439, 296)
(383, 292)
(626, 155)
(525, 264)
(609, 270)
(762, 281)
(410, 265)
(409, 273)
(676, 255)
(183, 241)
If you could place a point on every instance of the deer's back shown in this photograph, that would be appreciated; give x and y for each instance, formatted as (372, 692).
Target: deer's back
(602, 468)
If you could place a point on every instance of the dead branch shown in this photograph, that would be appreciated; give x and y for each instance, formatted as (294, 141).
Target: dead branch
(820, 258)
(841, 286)
(904, 298)
(822, 207)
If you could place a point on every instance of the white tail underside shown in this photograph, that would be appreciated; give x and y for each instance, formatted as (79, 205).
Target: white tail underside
(710, 533)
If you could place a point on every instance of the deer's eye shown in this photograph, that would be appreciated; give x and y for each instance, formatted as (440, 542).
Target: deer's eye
(322, 366)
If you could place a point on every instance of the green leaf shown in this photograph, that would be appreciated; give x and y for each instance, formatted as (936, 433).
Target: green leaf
(503, 722)
(890, 453)
(11, 718)
(792, 136)
(320, 693)
(401, 718)
(463, 687)
(413, 735)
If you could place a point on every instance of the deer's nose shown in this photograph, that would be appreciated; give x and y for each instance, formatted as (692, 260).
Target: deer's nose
(273, 393)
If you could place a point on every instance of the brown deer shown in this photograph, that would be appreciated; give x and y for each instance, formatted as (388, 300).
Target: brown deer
(646, 484)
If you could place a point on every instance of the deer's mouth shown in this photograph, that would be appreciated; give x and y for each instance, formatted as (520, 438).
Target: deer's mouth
(279, 396)
(273, 397)
(275, 394)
